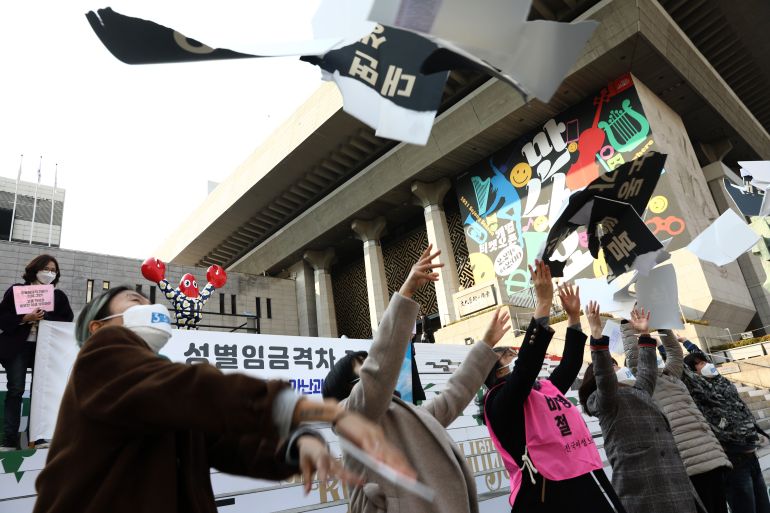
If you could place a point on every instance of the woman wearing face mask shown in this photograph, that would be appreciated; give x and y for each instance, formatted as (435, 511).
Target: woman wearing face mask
(734, 426)
(137, 432)
(545, 445)
(367, 385)
(18, 337)
(701, 452)
(647, 472)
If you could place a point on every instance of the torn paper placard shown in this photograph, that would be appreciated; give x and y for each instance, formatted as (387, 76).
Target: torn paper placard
(757, 172)
(274, 29)
(612, 331)
(493, 36)
(610, 300)
(632, 183)
(137, 41)
(725, 240)
(658, 293)
(393, 476)
(381, 84)
(624, 238)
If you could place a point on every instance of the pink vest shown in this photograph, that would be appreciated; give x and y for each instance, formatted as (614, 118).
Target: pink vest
(558, 442)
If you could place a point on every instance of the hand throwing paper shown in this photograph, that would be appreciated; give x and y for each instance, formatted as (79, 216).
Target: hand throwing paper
(725, 240)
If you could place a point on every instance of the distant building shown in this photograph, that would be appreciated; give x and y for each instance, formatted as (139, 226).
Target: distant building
(25, 204)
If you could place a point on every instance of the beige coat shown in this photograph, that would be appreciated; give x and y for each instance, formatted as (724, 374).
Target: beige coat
(699, 448)
(418, 431)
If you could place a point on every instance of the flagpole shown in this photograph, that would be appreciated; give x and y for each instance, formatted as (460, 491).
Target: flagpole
(34, 202)
(53, 203)
(15, 195)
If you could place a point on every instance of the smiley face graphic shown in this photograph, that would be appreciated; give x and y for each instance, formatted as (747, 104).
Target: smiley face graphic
(658, 204)
(521, 174)
(541, 223)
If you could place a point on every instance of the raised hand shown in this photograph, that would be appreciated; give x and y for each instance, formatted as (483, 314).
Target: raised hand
(154, 269)
(217, 276)
(640, 321)
(421, 273)
(497, 327)
(570, 300)
(541, 277)
(314, 457)
(594, 320)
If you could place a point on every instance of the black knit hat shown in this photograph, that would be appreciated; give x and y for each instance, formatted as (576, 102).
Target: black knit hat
(339, 381)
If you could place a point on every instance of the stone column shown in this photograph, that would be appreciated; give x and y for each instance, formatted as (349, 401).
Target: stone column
(430, 196)
(324, 299)
(305, 288)
(376, 283)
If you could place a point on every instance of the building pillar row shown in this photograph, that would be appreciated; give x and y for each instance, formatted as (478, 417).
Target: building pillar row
(431, 196)
(376, 282)
(322, 261)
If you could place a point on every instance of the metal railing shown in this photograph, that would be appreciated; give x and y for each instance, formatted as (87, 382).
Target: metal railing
(252, 324)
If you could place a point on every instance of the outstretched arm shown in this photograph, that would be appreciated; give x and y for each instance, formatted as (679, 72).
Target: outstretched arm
(606, 380)
(630, 345)
(673, 352)
(379, 372)
(466, 381)
(565, 373)
(647, 371)
(532, 353)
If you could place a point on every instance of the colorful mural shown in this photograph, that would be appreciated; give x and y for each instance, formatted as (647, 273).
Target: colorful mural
(508, 201)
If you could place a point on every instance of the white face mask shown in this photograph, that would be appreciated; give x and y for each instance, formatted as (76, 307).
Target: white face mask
(151, 322)
(661, 363)
(45, 277)
(625, 376)
(709, 371)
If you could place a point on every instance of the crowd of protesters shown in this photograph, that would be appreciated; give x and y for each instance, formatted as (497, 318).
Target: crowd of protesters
(677, 436)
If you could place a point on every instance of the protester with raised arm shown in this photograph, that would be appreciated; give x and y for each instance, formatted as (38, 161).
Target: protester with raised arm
(701, 452)
(647, 471)
(546, 447)
(368, 382)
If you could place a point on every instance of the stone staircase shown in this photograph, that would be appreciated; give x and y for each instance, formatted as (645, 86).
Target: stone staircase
(758, 401)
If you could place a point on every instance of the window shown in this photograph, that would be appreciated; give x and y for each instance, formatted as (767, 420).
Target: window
(232, 304)
(139, 289)
(105, 285)
(89, 290)
(269, 308)
(221, 303)
(259, 308)
(152, 294)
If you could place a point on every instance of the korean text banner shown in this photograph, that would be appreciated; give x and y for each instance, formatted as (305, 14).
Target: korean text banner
(509, 200)
(302, 361)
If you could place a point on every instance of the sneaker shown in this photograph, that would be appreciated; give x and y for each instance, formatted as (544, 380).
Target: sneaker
(42, 444)
(5, 448)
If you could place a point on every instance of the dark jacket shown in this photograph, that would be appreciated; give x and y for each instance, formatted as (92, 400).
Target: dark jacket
(138, 433)
(647, 471)
(505, 413)
(15, 332)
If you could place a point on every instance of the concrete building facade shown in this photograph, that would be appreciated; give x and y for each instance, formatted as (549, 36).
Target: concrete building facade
(343, 201)
(26, 207)
(246, 302)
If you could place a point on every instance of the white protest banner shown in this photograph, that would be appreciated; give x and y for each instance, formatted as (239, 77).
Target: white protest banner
(302, 361)
(29, 298)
